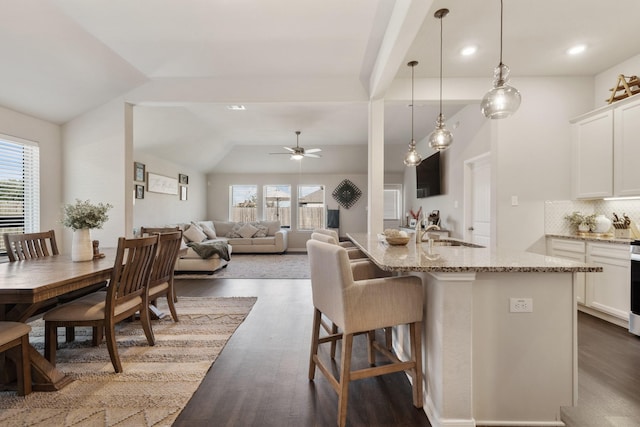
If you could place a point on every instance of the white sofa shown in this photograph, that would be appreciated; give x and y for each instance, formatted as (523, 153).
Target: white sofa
(267, 237)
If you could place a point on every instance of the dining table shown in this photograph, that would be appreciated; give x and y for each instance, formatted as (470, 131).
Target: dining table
(26, 287)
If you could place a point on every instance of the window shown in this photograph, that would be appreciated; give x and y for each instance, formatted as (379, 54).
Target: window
(277, 204)
(392, 201)
(244, 207)
(19, 187)
(310, 207)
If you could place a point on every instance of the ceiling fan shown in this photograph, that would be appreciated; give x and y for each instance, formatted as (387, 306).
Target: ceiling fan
(297, 152)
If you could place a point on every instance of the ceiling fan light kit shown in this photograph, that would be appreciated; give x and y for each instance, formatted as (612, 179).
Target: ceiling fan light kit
(503, 100)
(298, 153)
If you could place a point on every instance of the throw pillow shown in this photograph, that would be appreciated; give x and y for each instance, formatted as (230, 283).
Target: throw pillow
(194, 234)
(235, 230)
(209, 231)
(262, 231)
(274, 226)
(247, 231)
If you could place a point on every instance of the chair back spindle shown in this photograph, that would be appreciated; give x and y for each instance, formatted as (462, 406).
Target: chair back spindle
(26, 246)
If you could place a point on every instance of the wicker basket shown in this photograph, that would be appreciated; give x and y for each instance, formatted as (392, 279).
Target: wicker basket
(398, 241)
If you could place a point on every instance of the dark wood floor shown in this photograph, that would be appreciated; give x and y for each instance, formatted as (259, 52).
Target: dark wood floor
(260, 379)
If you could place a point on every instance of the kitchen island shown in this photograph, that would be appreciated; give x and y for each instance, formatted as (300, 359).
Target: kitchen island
(500, 331)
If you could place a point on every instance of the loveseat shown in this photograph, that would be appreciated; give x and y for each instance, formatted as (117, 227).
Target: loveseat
(253, 237)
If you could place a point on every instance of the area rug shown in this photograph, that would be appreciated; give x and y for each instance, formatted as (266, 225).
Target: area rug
(260, 266)
(157, 381)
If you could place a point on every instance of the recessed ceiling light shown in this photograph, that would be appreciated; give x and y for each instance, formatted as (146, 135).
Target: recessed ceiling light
(236, 107)
(468, 50)
(577, 49)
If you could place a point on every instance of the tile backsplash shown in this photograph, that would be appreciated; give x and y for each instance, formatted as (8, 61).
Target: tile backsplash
(555, 211)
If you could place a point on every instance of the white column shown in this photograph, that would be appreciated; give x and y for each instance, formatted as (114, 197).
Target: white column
(375, 162)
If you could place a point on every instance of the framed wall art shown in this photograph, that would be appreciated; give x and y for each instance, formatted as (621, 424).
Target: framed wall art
(184, 179)
(183, 192)
(138, 172)
(161, 184)
(139, 191)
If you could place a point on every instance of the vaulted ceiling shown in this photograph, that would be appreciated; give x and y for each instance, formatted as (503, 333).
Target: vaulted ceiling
(303, 65)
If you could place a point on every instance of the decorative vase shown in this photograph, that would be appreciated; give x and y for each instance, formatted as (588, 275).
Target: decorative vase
(603, 224)
(82, 247)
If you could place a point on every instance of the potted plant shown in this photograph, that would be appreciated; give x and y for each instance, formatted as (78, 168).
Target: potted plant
(81, 217)
(582, 222)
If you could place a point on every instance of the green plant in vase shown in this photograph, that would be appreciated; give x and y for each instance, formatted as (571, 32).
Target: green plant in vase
(582, 222)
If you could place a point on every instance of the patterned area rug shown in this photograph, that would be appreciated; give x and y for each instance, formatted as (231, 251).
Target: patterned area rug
(157, 381)
(260, 266)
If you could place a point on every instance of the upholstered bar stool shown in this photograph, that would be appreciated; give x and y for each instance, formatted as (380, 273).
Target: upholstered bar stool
(334, 234)
(16, 335)
(360, 307)
(325, 235)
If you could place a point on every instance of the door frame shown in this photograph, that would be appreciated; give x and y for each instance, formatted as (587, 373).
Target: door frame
(468, 193)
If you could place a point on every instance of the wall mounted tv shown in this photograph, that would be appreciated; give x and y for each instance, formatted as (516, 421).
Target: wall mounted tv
(428, 182)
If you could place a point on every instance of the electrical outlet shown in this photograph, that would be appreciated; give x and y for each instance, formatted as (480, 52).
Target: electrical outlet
(520, 305)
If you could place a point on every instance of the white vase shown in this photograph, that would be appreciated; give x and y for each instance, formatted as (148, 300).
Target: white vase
(81, 247)
(603, 224)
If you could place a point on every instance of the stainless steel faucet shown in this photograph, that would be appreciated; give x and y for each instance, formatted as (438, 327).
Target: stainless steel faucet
(427, 229)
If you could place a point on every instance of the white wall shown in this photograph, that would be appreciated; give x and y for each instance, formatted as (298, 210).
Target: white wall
(156, 209)
(353, 219)
(533, 149)
(48, 137)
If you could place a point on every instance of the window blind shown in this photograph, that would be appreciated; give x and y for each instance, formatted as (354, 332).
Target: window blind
(19, 186)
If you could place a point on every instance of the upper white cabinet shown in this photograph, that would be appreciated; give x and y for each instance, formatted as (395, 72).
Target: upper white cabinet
(593, 156)
(626, 149)
(605, 148)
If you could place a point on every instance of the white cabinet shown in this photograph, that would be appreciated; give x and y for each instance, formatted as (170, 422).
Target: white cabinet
(593, 155)
(605, 150)
(573, 250)
(626, 149)
(609, 291)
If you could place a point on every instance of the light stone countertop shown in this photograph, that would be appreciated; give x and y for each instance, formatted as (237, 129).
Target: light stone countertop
(455, 259)
(592, 238)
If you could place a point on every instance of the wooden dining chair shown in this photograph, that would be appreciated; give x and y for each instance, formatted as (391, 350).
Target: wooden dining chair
(358, 307)
(23, 246)
(29, 246)
(148, 231)
(126, 294)
(15, 336)
(161, 283)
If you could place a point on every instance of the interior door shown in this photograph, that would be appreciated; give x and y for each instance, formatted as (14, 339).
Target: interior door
(478, 200)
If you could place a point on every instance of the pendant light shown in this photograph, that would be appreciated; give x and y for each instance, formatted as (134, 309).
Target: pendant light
(412, 158)
(503, 100)
(441, 138)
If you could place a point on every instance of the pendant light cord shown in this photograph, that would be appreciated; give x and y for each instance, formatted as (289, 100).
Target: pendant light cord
(412, 102)
(501, 7)
(441, 64)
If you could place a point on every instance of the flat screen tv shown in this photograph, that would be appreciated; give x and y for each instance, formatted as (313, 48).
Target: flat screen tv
(428, 182)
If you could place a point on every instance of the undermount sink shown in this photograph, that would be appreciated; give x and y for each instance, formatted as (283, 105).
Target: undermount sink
(447, 242)
(443, 242)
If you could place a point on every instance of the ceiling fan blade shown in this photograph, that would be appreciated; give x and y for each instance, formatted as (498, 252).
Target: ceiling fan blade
(289, 149)
(313, 150)
(317, 156)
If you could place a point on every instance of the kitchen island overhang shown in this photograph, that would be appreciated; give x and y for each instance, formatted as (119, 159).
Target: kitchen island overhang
(485, 365)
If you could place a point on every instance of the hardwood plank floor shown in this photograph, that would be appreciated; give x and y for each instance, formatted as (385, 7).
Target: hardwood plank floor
(260, 379)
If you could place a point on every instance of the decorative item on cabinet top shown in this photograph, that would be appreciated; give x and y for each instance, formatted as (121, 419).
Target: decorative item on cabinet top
(628, 88)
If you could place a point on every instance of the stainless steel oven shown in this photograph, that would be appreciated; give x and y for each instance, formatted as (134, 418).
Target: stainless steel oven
(634, 315)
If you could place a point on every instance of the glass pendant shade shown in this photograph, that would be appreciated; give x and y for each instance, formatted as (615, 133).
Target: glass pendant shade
(412, 158)
(441, 138)
(503, 100)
